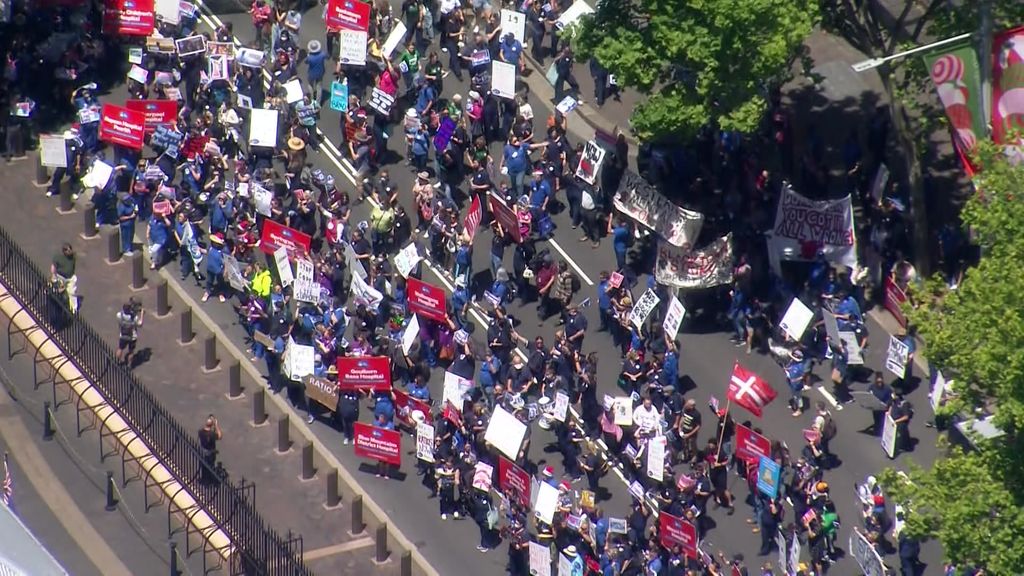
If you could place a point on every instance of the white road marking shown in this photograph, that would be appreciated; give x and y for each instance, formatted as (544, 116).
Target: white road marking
(828, 396)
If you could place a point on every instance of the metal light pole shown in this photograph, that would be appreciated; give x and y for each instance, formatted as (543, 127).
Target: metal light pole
(871, 63)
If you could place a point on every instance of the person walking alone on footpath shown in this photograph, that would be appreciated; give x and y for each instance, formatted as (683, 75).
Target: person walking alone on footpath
(129, 320)
(62, 274)
(208, 437)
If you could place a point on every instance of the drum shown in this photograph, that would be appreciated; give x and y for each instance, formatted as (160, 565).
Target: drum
(545, 407)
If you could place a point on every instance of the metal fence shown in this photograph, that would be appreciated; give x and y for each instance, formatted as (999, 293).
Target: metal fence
(261, 550)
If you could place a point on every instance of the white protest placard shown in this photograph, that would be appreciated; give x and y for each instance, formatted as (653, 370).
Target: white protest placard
(897, 357)
(53, 151)
(568, 104)
(482, 475)
(622, 411)
(135, 55)
(544, 506)
(804, 228)
(642, 309)
(880, 182)
(407, 259)
(505, 432)
(578, 9)
(233, 273)
(284, 267)
(796, 319)
(889, 436)
(353, 262)
(218, 67)
(590, 162)
(301, 360)
(394, 39)
(293, 91)
(561, 407)
(854, 354)
(513, 23)
(831, 326)
(139, 74)
(98, 175)
(411, 334)
(168, 11)
(503, 79)
(674, 317)
(352, 47)
(564, 565)
(617, 526)
(540, 559)
(456, 389)
(864, 552)
(364, 294)
(938, 389)
(656, 458)
(262, 198)
(306, 289)
(250, 58)
(263, 127)
(425, 442)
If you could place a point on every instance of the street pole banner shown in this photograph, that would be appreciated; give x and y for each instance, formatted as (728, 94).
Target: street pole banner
(957, 77)
(425, 442)
(642, 202)
(804, 228)
(889, 436)
(503, 79)
(378, 444)
(897, 357)
(514, 23)
(674, 317)
(643, 307)
(590, 162)
(703, 268)
(796, 319)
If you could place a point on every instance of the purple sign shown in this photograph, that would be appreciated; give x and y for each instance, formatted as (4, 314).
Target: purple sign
(444, 134)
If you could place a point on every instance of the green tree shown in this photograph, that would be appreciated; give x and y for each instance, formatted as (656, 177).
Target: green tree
(698, 61)
(973, 503)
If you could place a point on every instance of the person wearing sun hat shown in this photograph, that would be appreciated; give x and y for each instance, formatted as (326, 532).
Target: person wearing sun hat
(315, 68)
(576, 561)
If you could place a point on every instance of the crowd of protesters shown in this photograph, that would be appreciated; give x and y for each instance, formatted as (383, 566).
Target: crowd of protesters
(194, 200)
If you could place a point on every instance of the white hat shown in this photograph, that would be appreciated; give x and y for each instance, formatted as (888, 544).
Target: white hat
(571, 552)
(411, 113)
(313, 47)
(417, 416)
(474, 95)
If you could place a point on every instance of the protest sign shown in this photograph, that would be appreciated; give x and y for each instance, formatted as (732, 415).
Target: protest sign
(165, 137)
(129, 17)
(263, 127)
(370, 373)
(572, 14)
(642, 309)
(564, 565)
(831, 327)
(225, 49)
(506, 217)
(482, 475)
(703, 268)
(427, 299)
(339, 96)
(411, 334)
(568, 104)
(540, 559)
(301, 360)
(284, 266)
(513, 481)
(854, 354)
(293, 91)
(622, 411)
(811, 435)
(139, 74)
(156, 113)
(864, 552)
(590, 162)
(642, 202)
(750, 445)
(561, 406)
(804, 228)
(274, 236)
(347, 15)
(546, 503)
(122, 126)
(674, 317)
(190, 46)
(503, 79)
(505, 432)
(479, 59)
(444, 134)
(656, 458)
(217, 67)
(395, 37)
(879, 183)
(889, 436)
(894, 299)
(306, 289)
(135, 53)
(617, 526)
(473, 216)
(456, 389)
(250, 58)
(406, 405)
(381, 101)
(938, 389)
(53, 151)
(378, 444)
(796, 319)
(168, 11)
(636, 490)
(768, 474)
(425, 442)
(262, 198)
(322, 391)
(363, 294)
(674, 531)
(513, 23)
(352, 47)
(98, 175)
(897, 357)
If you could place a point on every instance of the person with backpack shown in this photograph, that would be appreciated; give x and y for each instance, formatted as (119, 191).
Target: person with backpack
(129, 320)
(825, 424)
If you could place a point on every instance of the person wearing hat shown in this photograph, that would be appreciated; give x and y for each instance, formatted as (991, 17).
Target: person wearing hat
(215, 268)
(576, 567)
(316, 67)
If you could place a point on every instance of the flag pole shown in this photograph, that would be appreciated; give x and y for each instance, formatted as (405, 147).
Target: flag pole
(721, 433)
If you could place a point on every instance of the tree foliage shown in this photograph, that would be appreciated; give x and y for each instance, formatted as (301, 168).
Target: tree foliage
(698, 61)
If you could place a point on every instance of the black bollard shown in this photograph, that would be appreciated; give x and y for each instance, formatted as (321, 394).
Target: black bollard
(406, 568)
(235, 381)
(284, 443)
(333, 497)
(42, 177)
(357, 516)
(175, 571)
(186, 327)
(47, 422)
(259, 407)
(89, 230)
(111, 501)
(163, 304)
(382, 544)
(114, 247)
(210, 357)
(67, 202)
(138, 273)
(308, 471)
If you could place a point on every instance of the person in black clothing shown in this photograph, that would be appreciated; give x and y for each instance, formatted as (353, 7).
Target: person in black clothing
(563, 69)
(600, 75)
(208, 437)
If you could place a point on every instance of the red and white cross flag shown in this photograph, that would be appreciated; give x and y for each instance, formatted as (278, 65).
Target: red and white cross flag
(749, 390)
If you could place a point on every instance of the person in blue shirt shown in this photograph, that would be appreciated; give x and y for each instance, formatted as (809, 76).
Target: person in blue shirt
(425, 96)
(315, 69)
(796, 369)
(418, 389)
(158, 233)
(222, 214)
(126, 215)
(499, 288)
(848, 315)
(511, 51)
(515, 159)
(738, 314)
(620, 241)
(604, 301)
(490, 370)
(540, 193)
(460, 301)
(383, 422)
(384, 408)
(420, 147)
(463, 259)
(215, 268)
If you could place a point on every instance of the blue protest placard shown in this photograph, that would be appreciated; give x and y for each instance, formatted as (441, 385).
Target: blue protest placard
(444, 134)
(768, 474)
(339, 96)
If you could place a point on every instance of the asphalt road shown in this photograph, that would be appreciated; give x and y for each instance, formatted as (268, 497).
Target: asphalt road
(706, 360)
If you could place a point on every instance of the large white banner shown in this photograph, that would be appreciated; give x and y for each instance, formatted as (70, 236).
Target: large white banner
(263, 127)
(640, 201)
(503, 79)
(505, 432)
(352, 47)
(704, 268)
(803, 228)
(898, 357)
(363, 293)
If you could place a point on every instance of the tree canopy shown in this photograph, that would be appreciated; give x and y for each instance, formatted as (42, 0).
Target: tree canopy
(698, 61)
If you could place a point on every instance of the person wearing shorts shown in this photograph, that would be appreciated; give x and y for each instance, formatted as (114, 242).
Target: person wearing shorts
(129, 319)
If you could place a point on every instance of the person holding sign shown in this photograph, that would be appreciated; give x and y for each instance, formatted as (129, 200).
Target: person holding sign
(448, 477)
(901, 412)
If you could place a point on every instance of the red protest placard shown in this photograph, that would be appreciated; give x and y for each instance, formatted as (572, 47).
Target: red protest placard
(452, 414)
(513, 481)
(122, 126)
(473, 217)
(158, 112)
(348, 15)
(427, 299)
(507, 218)
(751, 445)
(274, 235)
(129, 17)
(371, 373)
(406, 404)
(894, 298)
(673, 531)
(378, 444)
